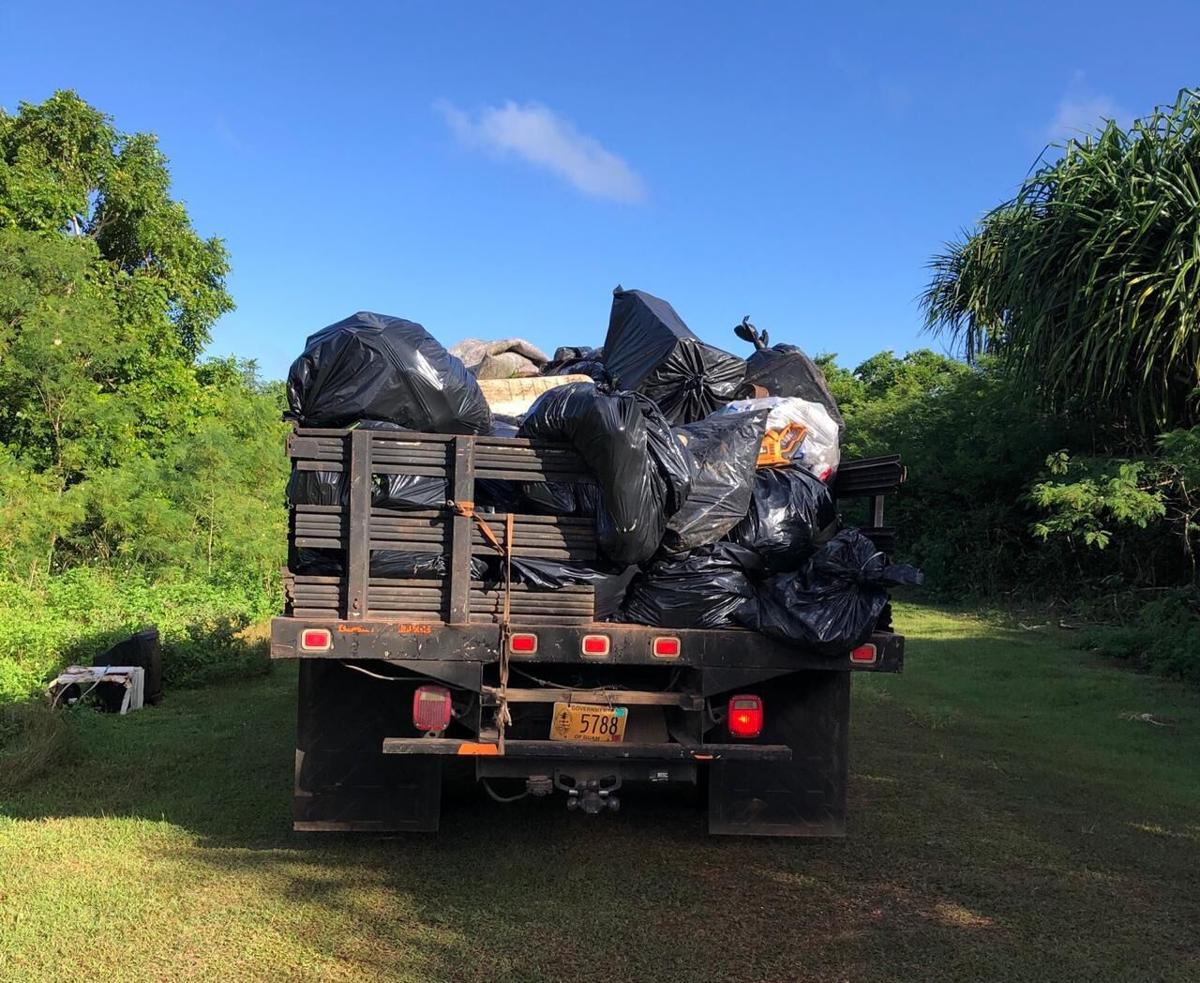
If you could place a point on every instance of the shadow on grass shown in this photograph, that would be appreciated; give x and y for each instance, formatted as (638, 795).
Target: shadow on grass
(1021, 837)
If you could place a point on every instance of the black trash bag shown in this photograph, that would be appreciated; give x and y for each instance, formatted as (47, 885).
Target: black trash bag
(388, 491)
(385, 368)
(785, 370)
(649, 349)
(670, 455)
(551, 574)
(409, 491)
(792, 512)
(411, 565)
(609, 584)
(832, 605)
(496, 495)
(706, 588)
(725, 448)
(505, 426)
(549, 498)
(313, 562)
(630, 455)
(384, 563)
(316, 488)
(578, 361)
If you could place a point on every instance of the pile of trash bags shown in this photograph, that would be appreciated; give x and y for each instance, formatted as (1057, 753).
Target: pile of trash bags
(711, 476)
(376, 367)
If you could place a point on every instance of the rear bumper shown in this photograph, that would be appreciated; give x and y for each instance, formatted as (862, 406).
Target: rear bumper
(568, 751)
(710, 649)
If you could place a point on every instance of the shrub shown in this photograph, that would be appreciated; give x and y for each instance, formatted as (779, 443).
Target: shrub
(1163, 636)
(82, 612)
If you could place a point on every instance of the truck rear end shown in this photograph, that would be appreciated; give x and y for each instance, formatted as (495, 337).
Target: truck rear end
(402, 678)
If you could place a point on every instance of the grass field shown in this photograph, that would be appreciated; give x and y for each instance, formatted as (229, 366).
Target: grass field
(1011, 819)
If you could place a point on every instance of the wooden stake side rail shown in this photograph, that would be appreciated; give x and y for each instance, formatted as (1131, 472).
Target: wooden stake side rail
(352, 531)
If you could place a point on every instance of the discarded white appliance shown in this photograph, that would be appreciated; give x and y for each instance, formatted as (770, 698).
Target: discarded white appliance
(133, 678)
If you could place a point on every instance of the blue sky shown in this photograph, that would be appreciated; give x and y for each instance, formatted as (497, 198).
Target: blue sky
(494, 170)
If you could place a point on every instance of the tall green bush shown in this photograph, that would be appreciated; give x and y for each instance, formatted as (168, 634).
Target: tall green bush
(138, 483)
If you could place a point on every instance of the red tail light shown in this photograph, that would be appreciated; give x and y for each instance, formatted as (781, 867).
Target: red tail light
(745, 715)
(431, 709)
(316, 640)
(864, 655)
(594, 645)
(667, 647)
(523, 643)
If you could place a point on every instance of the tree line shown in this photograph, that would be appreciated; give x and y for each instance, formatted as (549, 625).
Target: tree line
(1058, 458)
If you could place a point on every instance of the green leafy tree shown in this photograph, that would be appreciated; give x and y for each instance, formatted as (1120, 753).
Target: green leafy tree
(65, 169)
(1087, 283)
(137, 483)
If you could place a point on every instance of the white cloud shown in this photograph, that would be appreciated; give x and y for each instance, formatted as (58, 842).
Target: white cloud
(542, 137)
(1081, 112)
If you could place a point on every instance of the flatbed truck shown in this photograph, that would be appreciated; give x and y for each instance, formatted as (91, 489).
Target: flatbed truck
(399, 680)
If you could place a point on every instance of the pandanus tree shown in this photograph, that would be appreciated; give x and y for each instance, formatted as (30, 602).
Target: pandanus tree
(1087, 283)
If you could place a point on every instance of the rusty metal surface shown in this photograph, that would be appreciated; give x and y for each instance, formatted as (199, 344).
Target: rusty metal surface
(356, 529)
(723, 649)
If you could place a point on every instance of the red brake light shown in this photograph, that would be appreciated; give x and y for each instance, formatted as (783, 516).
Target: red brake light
(667, 647)
(595, 645)
(524, 643)
(431, 709)
(864, 655)
(745, 715)
(316, 640)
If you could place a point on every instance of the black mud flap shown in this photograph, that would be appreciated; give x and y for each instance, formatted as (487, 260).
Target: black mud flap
(806, 796)
(343, 780)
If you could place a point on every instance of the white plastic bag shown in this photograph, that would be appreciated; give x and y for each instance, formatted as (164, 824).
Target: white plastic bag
(818, 452)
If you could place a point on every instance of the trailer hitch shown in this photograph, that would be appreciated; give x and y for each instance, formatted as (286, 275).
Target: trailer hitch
(591, 796)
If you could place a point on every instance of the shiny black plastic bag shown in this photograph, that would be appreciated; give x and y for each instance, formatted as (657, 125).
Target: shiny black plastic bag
(609, 584)
(631, 455)
(669, 455)
(830, 606)
(316, 488)
(404, 564)
(409, 491)
(408, 564)
(791, 513)
(705, 588)
(388, 491)
(785, 370)
(578, 361)
(312, 562)
(649, 349)
(386, 368)
(724, 448)
(551, 574)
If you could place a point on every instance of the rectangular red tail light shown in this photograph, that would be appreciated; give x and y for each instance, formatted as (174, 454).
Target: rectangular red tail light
(745, 715)
(431, 709)
(316, 640)
(522, 643)
(864, 655)
(667, 647)
(594, 645)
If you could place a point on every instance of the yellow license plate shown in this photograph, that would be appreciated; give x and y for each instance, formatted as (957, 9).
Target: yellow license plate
(587, 722)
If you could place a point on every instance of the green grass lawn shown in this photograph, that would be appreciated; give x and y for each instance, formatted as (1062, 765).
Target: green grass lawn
(1011, 819)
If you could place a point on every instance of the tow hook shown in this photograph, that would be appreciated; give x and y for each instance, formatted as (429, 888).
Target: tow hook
(591, 798)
